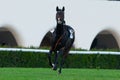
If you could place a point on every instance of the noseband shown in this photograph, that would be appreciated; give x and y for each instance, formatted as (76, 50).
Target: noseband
(59, 21)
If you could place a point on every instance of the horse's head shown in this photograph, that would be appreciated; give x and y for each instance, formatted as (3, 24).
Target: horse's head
(60, 15)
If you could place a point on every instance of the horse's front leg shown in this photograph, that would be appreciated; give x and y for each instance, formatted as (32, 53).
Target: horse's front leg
(49, 58)
(55, 60)
(62, 60)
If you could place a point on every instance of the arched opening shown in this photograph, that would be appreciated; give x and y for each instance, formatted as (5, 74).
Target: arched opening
(6, 38)
(46, 41)
(104, 40)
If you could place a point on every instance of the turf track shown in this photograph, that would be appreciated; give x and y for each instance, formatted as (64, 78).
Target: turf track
(67, 74)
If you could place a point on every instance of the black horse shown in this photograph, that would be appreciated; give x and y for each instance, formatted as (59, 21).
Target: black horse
(62, 40)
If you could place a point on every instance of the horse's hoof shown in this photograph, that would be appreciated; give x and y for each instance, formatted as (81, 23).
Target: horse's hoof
(55, 68)
(59, 72)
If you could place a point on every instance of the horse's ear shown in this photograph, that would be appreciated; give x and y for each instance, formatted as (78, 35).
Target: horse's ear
(57, 9)
(63, 9)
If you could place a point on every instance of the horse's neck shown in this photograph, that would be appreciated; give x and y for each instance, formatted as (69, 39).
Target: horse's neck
(60, 29)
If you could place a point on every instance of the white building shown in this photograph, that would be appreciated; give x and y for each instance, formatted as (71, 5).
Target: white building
(26, 22)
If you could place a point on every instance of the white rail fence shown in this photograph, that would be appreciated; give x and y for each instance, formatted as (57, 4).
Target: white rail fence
(71, 52)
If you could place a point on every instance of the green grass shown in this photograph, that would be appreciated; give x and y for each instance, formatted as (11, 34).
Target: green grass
(67, 74)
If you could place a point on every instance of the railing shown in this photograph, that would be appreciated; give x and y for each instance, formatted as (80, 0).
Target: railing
(71, 52)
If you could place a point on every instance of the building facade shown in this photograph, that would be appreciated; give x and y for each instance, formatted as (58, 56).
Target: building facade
(26, 22)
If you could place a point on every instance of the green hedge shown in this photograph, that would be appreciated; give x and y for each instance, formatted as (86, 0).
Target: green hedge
(23, 59)
(31, 59)
(94, 61)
